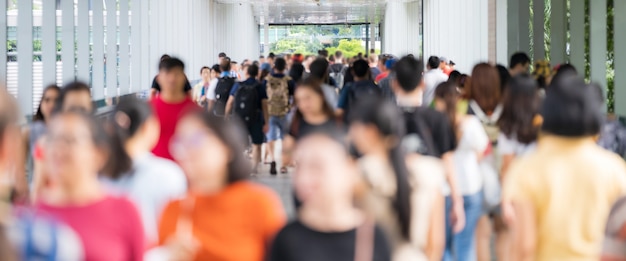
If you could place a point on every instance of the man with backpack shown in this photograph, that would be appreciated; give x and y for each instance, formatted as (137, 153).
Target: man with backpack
(248, 100)
(428, 132)
(362, 88)
(219, 92)
(280, 89)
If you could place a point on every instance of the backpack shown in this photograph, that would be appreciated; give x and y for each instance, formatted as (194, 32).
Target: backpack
(278, 95)
(222, 92)
(247, 103)
(362, 91)
(419, 138)
(338, 75)
(490, 123)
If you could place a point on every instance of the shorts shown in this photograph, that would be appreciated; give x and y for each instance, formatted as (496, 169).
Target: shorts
(256, 133)
(277, 128)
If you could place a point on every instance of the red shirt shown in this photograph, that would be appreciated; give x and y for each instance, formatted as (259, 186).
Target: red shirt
(381, 76)
(169, 115)
(110, 229)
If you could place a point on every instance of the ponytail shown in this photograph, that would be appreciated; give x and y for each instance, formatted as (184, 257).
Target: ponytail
(402, 202)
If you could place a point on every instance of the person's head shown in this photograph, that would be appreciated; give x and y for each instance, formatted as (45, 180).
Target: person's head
(309, 99)
(323, 53)
(319, 69)
(377, 125)
(372, 52)
(205, 73)
(270, 58)
(521, 104)
(261, 59)
(215, 71)
(451, 65)
(280, 65)
(298, 58)
(408, 75)
(296, 71)
(252, 71)
(563, 72)
(338, 55)
(199, 134)
(505, 77)
(75, 96)
(484, 87)
(571, 109)
(542, 73)
(446, 98)
(245, 62)
(454, 77)
(520, 63)
(164, 57)
(443, 62)
(381, 62)
(360, 69)
(325, 174)
(172, 76)
(47, 103)
(225, 65)
(331, 59)
(133, 130)
(77, 149)
(433, 62)
(234, 66)
(221, 56)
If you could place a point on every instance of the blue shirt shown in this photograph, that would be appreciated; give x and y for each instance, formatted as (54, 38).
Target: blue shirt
(225, 74)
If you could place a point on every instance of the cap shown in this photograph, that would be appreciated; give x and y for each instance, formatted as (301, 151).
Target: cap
(451, 63)
(444, 59)
(266, 67)
(389, 63)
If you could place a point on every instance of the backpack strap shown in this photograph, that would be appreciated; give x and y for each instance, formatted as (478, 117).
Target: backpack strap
(478, 112)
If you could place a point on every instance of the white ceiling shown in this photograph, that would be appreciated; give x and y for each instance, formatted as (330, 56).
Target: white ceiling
(316, 11)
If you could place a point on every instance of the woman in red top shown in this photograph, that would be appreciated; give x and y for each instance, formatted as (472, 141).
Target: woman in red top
(224, 217)
(76, 150)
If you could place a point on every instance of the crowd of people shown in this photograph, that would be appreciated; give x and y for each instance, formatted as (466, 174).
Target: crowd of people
(388, 161)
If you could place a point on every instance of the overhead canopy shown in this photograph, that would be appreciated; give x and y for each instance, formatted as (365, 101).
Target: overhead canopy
(316, 11)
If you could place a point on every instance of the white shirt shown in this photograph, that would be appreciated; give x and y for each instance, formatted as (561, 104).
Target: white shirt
(210, 93)
(153, 183)
(511, 146)
(432, 79)
(473, 141)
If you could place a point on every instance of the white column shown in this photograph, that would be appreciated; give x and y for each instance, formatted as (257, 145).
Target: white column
(48, 41)
(3, 48)
(502, 56)
(266, 35)
(97, 86)
(597, 42)
(25, 56)
(518, 28)
(539, 51)
(135, 47)
(524, 30)
(620, 58)
(67, 56)
(558, 30)
(82, 41)
(146, 76)
(124, 72)
(111, 49)
(577, 34)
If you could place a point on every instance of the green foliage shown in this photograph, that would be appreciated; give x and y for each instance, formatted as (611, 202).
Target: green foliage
(349, 48)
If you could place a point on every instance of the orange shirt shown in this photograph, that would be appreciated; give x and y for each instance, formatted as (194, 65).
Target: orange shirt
(238, 223)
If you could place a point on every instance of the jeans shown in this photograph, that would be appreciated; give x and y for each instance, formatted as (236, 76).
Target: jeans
(277, 128)
(462, 246)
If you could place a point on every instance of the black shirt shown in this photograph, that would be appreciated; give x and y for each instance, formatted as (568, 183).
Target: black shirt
(300, 128)
(429, 132)
(156, 86)
(296, 242)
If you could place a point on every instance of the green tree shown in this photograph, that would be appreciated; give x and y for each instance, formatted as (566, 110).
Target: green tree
(349, 48)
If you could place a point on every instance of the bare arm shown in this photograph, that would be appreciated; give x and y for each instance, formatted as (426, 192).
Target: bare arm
(506, 162)
(288, 145)
(229, 105)
(339, 113)
(266, 114)
(435, 243)
(524, 233)
(455, 193)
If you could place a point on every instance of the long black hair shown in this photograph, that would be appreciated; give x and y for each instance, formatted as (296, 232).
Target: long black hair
(314, 85)
(39, 114)
(446, 91)
(127, 118)
(387, 118)
(521, 103)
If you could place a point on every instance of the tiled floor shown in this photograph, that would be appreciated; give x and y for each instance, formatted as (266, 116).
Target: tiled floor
(281, 183)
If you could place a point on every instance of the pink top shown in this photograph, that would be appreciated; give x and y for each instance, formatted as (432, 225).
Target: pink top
(110, 229)
(169, 115)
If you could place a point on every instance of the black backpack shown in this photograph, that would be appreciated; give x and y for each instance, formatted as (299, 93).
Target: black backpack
(362, 91)
(222, 92)
(247, 103)
(418, 137)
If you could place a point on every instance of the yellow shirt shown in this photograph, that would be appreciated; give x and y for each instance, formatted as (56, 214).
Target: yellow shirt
(572, 184)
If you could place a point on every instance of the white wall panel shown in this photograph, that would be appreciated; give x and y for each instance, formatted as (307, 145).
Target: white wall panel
(597, 43)
(97, 85)
(620, 59)
(111, 49)
(124, 59)
(463, 39)
(69, 72)
(577, 34)
(25, 56)
(3, 39)
(82, 41)
(48, 42)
